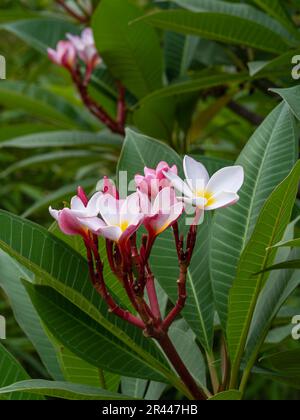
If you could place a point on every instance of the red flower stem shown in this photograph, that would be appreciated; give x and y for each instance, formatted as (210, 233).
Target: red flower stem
(95, 108)
(100, 287)
(181, 298)
(81, 19)
(152, 294)
(171, 352)
(121, 112)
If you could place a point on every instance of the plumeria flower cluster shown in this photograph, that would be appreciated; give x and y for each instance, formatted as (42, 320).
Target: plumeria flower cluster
(79, 55)
(157, 204)
(159, 201)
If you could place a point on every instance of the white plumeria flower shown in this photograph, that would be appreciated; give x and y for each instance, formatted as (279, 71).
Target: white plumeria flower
(204, 192)
(119, 218)
(78, 209)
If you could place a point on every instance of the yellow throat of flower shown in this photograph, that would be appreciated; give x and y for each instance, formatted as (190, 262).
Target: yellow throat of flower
(207, 195)
(124, 225)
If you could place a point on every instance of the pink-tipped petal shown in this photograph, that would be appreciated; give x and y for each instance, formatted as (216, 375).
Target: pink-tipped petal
(223, 199)
(69, 224)
(94, 224)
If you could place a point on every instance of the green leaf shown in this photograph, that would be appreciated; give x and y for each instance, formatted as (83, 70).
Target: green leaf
(275, 9)
(227, 396)
(267, 159)
(41, 103)
(80, 155)
(25, 314)
(196, 84)
(219, 27)
(41, 33)
(53, 139)
(140, 151)
(12, 372)
(290, 244)
(293, 264)
(45, 256)
(85, 337)
(291, 97)
(247, 286)
(239, 10)
(285, 361)
(64, 390)
(58, 196)
(78, 371)
(132, 52)
(136, 388)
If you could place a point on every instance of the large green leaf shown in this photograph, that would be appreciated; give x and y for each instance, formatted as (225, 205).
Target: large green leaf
(65, 390)
(257, 255)
(41, 103)
(41, 33)
(11, 372)
(25, 314)
(85, 337)
(239, 10)
(267, 159)
(286, 361)
(132, 52)
(71, 138)
(140, 151)
(219, 27)
(275, 9)
(291, 97)
(198, 83)
(227, 396)
(57, 265)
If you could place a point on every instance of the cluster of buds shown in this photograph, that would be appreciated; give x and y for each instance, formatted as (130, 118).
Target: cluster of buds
(157, 207)
(80, 51)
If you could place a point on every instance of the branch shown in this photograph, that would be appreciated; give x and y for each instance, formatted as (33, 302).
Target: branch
(71, 12)
(245, 113)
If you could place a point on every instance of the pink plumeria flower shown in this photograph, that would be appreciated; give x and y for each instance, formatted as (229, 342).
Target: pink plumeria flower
(120, 219)
(70, 219)
(154, 180)
(64, 55)
(162, 213)
(204, 192)
(85, 48)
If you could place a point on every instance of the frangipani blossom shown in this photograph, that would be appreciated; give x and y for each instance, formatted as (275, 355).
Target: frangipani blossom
(162, 213)
(154, 180)
(64, 55)
(85, 48)
(70, 219)
(119, 218)
(204, 192)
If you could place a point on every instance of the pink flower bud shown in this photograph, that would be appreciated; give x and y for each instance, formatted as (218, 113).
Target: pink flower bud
(64, 55)
(154, 180)
(85, 48)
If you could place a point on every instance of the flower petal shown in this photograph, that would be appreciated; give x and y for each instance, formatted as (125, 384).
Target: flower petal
(228, 179)
(198, 202)
(178, 184)
(223, 199)
(196, 174)
(164, 200)
(92, 209)
(94, 224)
(112, 233)
(54, 213)
(77, 204)
(109, 209)
(69, 224)
(161, 222)
(130, 209)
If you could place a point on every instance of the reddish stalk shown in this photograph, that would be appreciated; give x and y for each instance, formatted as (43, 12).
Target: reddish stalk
(96, 109)
(171, 352)
(152, 294)
(71, 12)
(182, 296)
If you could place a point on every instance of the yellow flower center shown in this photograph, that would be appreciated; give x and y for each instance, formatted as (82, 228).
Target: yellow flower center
(207, 195)
(124, 225)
